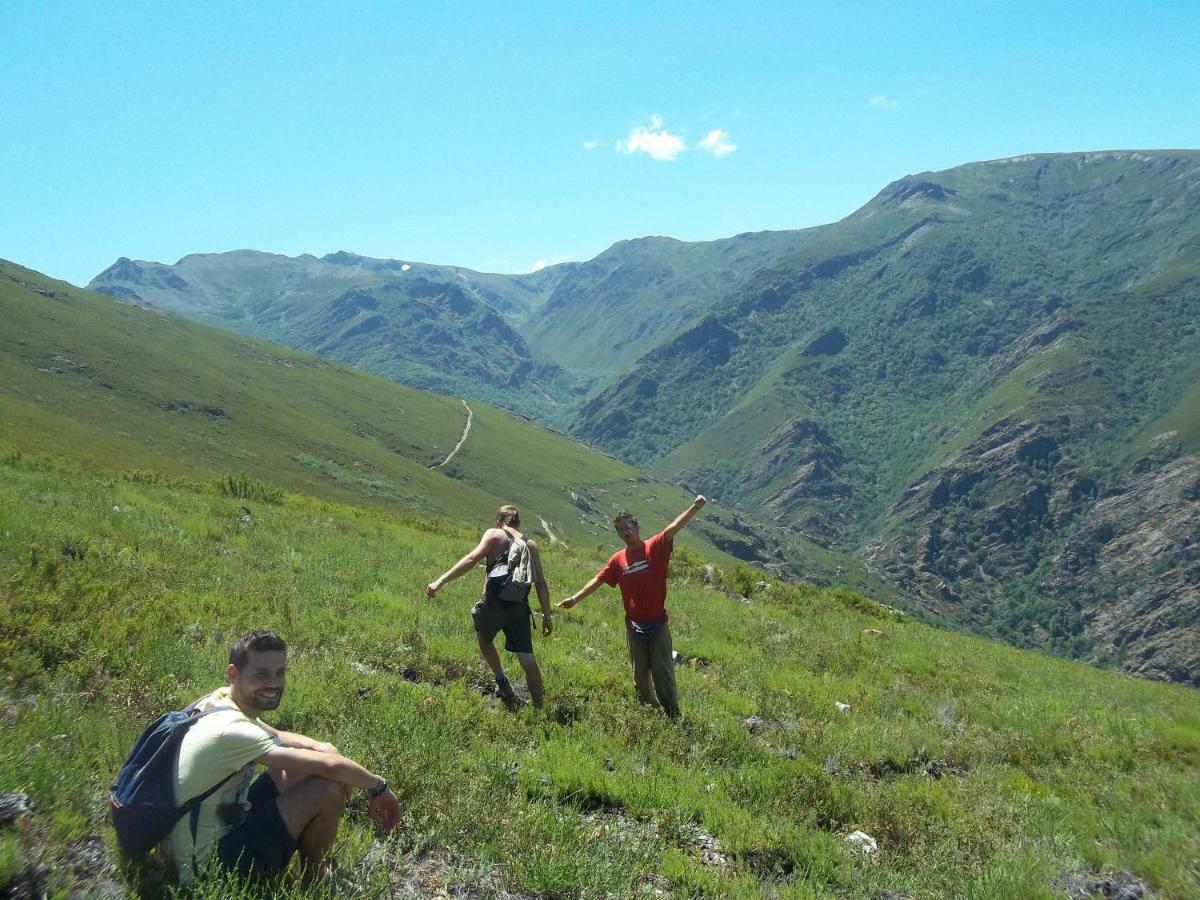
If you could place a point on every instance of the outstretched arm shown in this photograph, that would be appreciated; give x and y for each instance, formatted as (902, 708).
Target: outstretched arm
(581, 593)
(464, 565)
(684, 517)
(542, 588)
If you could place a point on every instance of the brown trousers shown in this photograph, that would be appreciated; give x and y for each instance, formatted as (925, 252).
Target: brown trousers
(653, 660)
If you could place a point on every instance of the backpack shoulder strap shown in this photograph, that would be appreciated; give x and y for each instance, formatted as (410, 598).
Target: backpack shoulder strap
(193, 805)
(503, 554)
(196, 802)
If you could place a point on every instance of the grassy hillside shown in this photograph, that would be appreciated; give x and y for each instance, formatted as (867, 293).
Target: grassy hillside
(980, 770)
(122, 387)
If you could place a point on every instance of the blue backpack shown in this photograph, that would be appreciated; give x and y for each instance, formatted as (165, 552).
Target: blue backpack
(142, 803)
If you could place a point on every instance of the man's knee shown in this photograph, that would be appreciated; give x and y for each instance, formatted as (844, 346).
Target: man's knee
(333, 792)
(325, 795)
(309, 799)
(528, 662)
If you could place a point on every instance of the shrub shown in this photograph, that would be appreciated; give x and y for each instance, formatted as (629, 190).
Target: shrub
(243, 487)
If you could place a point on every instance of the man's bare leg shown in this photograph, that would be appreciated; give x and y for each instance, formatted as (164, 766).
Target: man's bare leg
(533, 677)
(490, 655)
(312, 809)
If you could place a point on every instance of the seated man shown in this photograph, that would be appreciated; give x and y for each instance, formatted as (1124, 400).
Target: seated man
(254, 826)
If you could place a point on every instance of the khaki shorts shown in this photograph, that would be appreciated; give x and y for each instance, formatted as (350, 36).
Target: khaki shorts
(514, 619)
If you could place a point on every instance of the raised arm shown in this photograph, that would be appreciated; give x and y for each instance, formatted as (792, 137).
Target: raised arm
(684, 517)
(581, 593)
(464, 565)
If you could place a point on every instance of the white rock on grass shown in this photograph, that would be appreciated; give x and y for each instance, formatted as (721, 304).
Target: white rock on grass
(861, 842)
(705, 847)
(842, 707)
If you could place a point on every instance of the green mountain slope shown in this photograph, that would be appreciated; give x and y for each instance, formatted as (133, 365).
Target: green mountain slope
(950, 380)
(534, 343)
(124, 388)
(439, 328)
(606, 313)
(980, 771)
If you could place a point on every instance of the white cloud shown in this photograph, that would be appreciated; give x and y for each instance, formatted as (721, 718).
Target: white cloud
(879, 101)
(655, 141)
(591, 144)
(550, 261)
(717, 143)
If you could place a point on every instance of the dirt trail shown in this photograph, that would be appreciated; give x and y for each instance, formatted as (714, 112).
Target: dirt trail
(462, 440)
(546, 528)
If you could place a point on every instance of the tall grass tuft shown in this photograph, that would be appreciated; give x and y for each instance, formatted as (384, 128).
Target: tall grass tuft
(243, 487)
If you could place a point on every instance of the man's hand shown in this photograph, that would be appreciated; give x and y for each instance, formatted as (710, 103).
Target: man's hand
(547, 624)
(699, 501)
(433, 588)
(568, 603)
(384, 810)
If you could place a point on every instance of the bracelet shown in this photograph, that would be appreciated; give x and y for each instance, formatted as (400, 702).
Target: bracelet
(378, 790)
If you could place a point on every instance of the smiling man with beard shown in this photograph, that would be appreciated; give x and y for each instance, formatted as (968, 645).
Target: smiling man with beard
(254, 826)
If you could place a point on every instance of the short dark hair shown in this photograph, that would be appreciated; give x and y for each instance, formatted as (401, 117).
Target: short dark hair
(509, 515)
(624, 515)
(254, 642)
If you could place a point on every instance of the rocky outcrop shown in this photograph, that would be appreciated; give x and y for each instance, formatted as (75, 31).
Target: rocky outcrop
(813, 462)
(1123, 569)
(980, 518)
(1133, 562)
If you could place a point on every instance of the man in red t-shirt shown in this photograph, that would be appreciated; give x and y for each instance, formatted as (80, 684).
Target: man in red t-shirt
(641, 571)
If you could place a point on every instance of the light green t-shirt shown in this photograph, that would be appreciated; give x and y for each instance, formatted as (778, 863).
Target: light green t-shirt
(221, 743)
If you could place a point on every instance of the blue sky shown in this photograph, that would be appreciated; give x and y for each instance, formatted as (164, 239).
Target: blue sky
(502, 136)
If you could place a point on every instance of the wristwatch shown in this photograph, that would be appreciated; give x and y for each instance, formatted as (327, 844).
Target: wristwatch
(378, 789)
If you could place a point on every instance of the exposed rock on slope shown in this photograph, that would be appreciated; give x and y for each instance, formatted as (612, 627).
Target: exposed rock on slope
(1134, 561)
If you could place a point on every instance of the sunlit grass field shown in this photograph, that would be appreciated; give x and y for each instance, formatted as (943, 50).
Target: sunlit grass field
(118, 387)
(120, 595)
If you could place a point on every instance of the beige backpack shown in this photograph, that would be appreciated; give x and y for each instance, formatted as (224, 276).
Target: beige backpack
(511, 575)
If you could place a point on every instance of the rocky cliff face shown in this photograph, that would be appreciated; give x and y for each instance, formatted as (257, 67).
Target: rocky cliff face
(1010, 524)
(980, 518)
(1133, 566)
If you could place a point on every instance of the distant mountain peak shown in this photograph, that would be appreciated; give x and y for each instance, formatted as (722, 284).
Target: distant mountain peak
(911, 190)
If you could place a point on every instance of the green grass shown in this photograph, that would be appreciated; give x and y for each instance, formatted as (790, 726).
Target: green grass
(119, 387)
(120, 596)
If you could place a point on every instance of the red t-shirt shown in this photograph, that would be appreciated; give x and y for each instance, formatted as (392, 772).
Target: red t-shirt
(641, 572)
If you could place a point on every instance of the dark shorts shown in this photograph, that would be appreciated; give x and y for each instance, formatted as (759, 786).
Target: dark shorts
(260, 845)
(491, 616)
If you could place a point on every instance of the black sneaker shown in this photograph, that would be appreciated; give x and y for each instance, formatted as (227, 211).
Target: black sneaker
(504, 690)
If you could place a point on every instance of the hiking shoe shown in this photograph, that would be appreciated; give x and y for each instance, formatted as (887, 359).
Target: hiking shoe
(504, 690)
